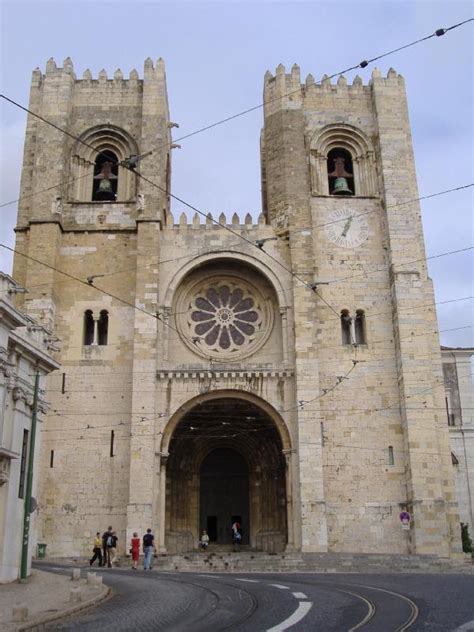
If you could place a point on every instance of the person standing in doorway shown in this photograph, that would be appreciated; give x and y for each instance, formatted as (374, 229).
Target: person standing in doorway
(105, 537)
(204, 542)
(236, 534)
(148, 548)
(135, 550)
(97, 550)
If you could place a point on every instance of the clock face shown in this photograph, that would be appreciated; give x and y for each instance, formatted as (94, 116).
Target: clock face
(347, 228)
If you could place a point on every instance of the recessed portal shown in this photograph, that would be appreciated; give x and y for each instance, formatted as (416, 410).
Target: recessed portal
(226, 464)
(224, 495)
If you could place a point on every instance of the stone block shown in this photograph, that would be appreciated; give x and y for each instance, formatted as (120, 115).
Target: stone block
(19, 613)
(75, 594)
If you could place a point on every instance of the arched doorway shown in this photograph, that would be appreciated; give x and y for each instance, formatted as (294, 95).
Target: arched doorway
(224, 495)
(226, 461)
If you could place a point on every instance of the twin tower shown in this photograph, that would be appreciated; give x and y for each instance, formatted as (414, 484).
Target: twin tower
(280, 370)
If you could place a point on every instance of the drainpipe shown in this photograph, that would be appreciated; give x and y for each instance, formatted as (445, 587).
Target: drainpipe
(29, 483)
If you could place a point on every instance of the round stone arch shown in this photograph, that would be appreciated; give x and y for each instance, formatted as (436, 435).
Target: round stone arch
(84, 154)
(353, 140)
(229, 394)
(229, 255)
(224, 271)
(256, 432)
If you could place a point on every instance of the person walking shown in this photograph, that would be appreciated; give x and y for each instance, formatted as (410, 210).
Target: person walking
(111, 549)
(97, 550)
(148, 548)
(135, 550)
(105, 536)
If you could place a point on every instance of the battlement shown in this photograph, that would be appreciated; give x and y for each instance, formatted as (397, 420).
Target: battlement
(151, 71)
(287, 88)
(198, 221)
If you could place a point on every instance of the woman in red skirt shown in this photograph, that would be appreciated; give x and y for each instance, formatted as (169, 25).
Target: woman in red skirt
(135, 550)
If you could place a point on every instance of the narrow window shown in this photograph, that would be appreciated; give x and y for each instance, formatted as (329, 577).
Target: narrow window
(103, 327)
(51, 459)
(359, 327)
(454, 459)
(391, 458)
(449, 413)
(24, 454)
(340, 172)
(112, 441)
(105, 181)
(88, 327)
(346, 321)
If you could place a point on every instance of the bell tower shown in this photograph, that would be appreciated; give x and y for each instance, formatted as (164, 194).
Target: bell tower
(339, 184)
(88, 229)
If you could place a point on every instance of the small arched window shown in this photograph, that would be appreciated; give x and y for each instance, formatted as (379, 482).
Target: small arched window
(103, 327)
(346, 326)
(359, 327)
(340, 172)
(88, 328)
(105, 182)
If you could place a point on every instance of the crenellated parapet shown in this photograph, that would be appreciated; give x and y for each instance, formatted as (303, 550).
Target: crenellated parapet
(286, 89)
(209, 222)
(151, 71)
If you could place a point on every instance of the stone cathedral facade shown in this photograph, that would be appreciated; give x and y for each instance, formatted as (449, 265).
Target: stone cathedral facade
(283, 371)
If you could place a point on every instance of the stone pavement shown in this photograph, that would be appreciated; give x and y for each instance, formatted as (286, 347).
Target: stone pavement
(47, 597)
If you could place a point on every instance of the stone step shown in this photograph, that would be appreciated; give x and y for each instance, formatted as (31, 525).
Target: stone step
(253, 561)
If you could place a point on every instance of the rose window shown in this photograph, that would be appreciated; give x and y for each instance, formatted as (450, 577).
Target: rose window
(225, 317)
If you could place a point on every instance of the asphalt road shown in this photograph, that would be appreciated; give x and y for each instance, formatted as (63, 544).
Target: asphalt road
(182, 602)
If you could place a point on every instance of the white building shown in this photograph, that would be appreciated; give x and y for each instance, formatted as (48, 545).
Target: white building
(460, 413)
(24, 350)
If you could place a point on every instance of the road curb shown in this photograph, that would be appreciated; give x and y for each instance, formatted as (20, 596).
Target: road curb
(38, 624)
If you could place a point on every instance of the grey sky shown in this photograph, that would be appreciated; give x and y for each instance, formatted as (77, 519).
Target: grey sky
(216, 55)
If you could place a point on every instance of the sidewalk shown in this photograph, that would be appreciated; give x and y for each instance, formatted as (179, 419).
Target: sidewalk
(47, 597)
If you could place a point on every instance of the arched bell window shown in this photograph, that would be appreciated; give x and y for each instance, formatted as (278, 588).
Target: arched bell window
(342, 161)
(96, 171)
(105, 181)
(340, 172)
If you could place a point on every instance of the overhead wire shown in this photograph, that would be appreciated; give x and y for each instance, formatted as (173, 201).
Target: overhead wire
(362, 64)
(438, 33)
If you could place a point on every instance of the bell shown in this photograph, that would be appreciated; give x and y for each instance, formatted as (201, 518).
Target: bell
(341, 187)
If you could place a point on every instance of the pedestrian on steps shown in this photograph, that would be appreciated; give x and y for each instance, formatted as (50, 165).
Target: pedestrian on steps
(96, 550)
(148, 548)
(236, 535)
(204, 542)
(135, 550)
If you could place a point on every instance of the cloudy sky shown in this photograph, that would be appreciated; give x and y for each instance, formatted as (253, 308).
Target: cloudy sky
(216, 54)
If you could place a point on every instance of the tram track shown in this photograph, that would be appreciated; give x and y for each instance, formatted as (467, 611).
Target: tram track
(372, 608)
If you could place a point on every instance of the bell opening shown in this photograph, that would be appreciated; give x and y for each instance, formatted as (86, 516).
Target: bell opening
(105, 177)
(340, 172)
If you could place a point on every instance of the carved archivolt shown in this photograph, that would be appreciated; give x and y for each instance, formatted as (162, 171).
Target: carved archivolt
(356, 143)
(83, 158)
